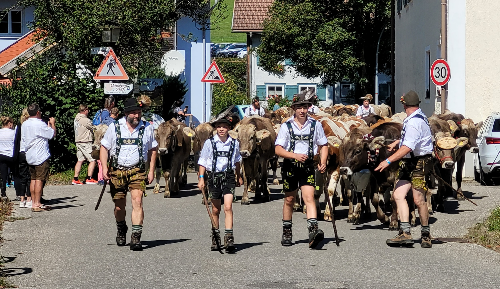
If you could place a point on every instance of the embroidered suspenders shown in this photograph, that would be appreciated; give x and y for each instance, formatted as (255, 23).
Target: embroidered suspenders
(403, 133)
(309, 138)
(216, 154)
(129, 141)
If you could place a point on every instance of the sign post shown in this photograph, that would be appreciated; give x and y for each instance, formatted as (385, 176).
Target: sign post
(440, 72)
(111, 68)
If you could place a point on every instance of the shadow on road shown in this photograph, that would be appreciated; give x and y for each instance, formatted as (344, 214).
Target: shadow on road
(156, 243)
(8, 272)
(243, 246)
(322, 243)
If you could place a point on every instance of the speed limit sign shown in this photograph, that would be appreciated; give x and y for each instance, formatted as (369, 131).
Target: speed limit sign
(440, 72)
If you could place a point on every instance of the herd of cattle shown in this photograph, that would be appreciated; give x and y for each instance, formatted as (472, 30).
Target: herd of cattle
(355, 148)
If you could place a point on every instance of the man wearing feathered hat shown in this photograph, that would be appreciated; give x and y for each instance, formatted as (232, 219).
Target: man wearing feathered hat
(366, 109)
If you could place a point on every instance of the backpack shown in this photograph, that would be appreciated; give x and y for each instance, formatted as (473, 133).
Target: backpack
(97, 118)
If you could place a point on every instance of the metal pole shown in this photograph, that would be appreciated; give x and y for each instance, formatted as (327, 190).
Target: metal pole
(376, 66)
(204, 69)
(444, 9)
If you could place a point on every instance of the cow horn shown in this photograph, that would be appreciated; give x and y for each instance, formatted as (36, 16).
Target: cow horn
(377, 143)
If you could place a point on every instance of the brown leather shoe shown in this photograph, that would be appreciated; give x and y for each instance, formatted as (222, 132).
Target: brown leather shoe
(401, 239)
(426, 240)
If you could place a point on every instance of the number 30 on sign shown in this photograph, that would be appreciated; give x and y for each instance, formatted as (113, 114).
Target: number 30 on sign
(440, 72)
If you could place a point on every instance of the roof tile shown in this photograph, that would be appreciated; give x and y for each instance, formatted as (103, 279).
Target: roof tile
(17, 48)
(249, 15)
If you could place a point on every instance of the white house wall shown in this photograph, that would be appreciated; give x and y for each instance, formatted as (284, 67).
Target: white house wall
(417, 29)
(27, 17)
(262, 77)
(482, 61)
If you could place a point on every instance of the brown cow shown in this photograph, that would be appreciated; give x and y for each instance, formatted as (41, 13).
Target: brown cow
(202, 132)
(174, 147)
(364, 151)
(467, 129)
(256, 136)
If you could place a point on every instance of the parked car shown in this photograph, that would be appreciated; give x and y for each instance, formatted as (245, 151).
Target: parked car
(231, 50)
(242, 53)
(216, 47)
(487, 160)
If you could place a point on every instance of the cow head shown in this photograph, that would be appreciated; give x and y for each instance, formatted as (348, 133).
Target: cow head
(354, 153)
(250, 138)
(469, 130)
(444, 149)
(167, 138)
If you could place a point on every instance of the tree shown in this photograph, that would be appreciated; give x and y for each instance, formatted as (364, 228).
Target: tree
(330, 39)
(69, 28)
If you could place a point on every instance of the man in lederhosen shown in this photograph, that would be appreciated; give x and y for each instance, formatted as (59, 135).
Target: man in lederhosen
(299, 140)
(219, 160)
(415, 153)
(131, 143)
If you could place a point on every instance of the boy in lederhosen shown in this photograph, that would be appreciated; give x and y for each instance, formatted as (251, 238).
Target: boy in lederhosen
(299, 140)
(219, 159)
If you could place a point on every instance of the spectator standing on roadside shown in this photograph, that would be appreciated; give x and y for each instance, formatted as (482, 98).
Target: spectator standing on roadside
(180, 113)
(35, 136)
(104, 113)
(7, 135)
(113, 115)
(255, 108)
(83, 140)
(277, 100)
(21, 169)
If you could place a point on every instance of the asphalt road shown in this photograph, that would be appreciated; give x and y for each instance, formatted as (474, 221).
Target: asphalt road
(73, 246)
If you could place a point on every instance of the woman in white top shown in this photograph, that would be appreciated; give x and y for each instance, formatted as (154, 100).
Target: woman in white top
(7, 135)
(366, 109)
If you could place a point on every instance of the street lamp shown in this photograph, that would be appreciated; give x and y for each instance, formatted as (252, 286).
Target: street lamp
(110, 34)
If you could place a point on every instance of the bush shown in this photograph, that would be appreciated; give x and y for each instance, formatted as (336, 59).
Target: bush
(51, 81)
(234, 90)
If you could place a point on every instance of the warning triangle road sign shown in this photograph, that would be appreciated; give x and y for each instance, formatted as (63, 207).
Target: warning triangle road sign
(213, 74)
(111, 68)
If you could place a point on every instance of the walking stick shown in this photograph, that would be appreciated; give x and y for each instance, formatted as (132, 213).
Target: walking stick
(217, 240)
(332, 209)
(100, 197)
(448, 185)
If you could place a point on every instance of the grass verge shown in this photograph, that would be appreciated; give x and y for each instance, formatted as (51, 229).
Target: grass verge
(487, 234)
(65, 178)
(5, 212)
(222, 32)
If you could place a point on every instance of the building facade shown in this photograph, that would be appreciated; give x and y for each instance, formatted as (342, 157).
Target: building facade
(248, 17)
(473, 38)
